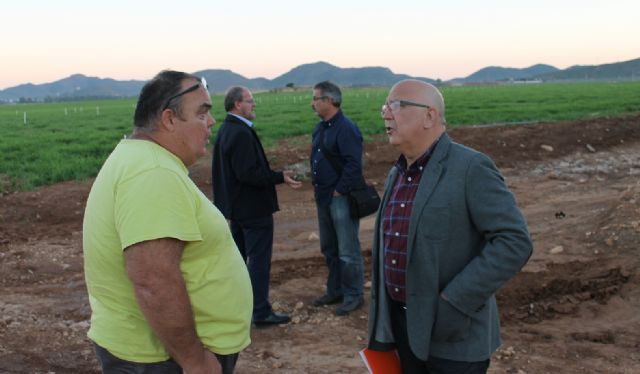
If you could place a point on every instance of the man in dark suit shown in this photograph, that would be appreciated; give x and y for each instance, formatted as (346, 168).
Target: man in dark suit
(448, 235)
(244, 191)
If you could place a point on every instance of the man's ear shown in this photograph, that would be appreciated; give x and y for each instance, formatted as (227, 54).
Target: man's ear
(236, 106)
(429, 118)
(167, 120)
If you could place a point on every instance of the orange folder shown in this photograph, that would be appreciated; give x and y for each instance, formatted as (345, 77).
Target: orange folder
(381, 362)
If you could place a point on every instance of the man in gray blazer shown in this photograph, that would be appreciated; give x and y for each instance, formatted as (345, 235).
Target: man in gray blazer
(448, 235)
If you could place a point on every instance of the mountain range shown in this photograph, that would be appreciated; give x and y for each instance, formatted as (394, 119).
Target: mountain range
(79, 86)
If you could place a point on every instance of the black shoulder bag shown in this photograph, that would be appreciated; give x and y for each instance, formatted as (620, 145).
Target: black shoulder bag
(363, 198)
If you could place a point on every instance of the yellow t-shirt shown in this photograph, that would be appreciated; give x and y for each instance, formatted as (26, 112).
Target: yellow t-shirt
(143, 192)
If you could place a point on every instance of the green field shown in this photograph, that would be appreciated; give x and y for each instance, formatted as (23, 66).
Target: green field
(66, 141)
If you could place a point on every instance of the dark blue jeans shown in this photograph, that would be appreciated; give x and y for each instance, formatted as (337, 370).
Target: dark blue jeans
(434, 365)
(254, 239)
(113, 365)
(340, 246)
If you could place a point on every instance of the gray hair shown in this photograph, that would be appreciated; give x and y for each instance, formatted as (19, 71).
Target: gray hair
(331, 91)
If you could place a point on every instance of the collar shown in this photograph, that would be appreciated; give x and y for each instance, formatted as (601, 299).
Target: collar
(241, 118)
(421, 162)
(333, 120)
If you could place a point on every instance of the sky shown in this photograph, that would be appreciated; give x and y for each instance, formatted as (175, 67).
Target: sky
(44, 41)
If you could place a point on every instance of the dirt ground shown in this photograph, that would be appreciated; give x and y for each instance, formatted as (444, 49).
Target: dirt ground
(573, 309)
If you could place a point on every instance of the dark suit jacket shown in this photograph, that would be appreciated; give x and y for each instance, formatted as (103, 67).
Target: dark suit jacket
(467, 237)
(243, 182)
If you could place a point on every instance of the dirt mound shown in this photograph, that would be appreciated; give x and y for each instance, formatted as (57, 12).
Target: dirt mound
(573, 309)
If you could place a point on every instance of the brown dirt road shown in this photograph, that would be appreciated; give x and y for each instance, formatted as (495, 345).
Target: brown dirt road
(573, 309)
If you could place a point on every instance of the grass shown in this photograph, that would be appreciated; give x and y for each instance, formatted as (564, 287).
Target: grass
(67, 141)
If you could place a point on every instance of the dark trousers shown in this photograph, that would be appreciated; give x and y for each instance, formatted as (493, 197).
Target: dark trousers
(113, 365)
(254, 239)
(434, 365)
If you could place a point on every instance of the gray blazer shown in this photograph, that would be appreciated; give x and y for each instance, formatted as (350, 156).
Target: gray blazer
(467, 237)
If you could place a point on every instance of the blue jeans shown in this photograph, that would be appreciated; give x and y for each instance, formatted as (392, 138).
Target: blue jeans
(340, 246)
(254, 238)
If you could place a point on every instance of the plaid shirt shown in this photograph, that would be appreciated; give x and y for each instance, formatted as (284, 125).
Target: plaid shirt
(395, 223)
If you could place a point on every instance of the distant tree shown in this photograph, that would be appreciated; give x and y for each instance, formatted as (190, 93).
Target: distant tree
(290, 85)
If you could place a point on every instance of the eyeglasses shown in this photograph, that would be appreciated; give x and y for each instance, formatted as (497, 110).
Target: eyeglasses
(202, 83)
(395, 105)
(316, 98)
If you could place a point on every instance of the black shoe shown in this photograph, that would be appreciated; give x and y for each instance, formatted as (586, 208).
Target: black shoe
(327, 300)
(272, 319)
(349, 306)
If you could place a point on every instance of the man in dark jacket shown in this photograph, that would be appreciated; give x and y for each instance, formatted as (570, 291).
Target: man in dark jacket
(337, 137)
(244, 191)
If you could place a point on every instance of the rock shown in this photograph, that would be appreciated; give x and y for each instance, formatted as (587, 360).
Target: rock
(562, 308)
(609, 242)
(509, 351)
(590, 148)
(547, 148)
(552, 175)
(557, 249)
(295, 320)
(299, 305)
(313, 236)
(82, 325)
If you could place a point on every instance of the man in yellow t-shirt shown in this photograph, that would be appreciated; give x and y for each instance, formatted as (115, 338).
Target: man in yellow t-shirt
(168, 288)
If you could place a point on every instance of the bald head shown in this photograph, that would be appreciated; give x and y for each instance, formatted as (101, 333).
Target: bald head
(413, 117)
(420, 92)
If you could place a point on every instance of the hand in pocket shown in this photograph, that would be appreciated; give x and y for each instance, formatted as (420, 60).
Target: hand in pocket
(451, 325)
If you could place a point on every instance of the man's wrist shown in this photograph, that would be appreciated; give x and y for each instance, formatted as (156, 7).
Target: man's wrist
(195, 358)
